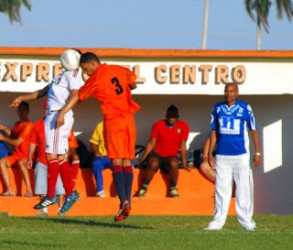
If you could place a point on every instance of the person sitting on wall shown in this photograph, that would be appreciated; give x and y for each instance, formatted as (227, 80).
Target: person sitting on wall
(168, 137)
(19, 138)
(100, 161)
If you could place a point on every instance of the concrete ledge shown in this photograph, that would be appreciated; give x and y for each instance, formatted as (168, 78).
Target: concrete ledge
(196, 196)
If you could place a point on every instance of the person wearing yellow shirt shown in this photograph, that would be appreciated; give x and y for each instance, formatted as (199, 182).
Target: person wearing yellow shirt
(100, 161)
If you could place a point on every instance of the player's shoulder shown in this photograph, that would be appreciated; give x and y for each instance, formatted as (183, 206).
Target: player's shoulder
(29, 124)
(243, 104)
(39, 122)
(182, 123)
(159, 123)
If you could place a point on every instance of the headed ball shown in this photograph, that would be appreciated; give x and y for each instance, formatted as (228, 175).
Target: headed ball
(70, 59)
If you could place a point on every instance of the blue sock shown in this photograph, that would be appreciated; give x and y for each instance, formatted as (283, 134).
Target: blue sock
(119, 183)
(128, 176)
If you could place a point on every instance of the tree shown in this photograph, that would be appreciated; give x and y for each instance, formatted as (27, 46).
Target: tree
(262, 8)
(12, 8)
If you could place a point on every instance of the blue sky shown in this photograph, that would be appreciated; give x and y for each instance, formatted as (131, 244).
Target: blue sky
(151, 24)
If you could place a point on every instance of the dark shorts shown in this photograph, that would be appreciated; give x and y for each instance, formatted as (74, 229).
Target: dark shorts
(164, 162)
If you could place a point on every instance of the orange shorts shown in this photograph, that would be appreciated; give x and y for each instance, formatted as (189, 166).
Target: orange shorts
(14, 158)
(120, 137)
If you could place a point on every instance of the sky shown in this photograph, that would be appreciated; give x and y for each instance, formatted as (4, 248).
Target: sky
(147, 24)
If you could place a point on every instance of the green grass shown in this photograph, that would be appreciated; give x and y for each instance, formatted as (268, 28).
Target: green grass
(142, 232)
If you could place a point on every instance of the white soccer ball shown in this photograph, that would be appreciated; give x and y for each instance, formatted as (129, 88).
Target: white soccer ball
(70, 59)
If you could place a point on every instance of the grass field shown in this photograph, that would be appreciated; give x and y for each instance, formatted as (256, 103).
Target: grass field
(142, 232)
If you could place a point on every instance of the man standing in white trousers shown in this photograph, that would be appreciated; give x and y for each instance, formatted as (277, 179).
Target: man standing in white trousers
(230, 122)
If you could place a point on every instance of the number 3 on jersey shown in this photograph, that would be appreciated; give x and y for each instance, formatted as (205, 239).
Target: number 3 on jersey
(118, 87)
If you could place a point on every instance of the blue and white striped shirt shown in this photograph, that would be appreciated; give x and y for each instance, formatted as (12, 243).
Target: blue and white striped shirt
(231, 124)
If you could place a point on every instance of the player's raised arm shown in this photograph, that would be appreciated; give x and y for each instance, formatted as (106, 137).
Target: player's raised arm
(28, 97)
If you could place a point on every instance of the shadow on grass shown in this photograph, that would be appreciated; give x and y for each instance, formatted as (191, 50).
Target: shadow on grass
(84, 221)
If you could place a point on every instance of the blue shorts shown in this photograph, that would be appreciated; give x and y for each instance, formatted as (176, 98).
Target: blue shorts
(3, 150)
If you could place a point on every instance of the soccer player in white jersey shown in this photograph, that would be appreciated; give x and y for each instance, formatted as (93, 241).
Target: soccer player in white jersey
(58, 123)
(230, 121)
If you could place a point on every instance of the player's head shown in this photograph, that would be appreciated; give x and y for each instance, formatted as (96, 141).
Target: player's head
(23, 110)
(172, 114)
(89, 63)
(231, 93)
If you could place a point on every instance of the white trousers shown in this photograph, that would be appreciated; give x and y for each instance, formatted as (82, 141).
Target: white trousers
(57, 138)
(237, 168)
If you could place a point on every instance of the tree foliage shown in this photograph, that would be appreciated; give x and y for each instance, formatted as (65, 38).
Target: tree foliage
(12, 8)
(259, 10)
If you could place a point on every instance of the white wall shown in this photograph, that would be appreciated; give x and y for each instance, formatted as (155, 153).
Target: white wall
(273, 189)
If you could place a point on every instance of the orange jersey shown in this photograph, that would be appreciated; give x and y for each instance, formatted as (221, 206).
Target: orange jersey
(72, 141)
(109, 84)
(38, 137)
(22, 130)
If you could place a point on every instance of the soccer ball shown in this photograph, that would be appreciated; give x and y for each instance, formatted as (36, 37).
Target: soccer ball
(70, 59)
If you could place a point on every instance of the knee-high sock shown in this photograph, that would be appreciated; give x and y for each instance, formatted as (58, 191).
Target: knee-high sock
(119, 183)
(66, 176)
(128, 180)
(74, 172)
(53, 173)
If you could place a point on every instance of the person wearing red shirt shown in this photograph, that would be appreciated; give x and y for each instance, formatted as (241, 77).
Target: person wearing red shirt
(168, 138)
(111, 85)
(19, 138)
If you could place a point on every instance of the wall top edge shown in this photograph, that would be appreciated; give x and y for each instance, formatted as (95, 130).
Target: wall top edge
(126, 52)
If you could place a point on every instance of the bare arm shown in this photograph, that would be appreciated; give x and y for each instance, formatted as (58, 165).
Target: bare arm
(183, 155)
(255, 140)
(95, 149)
(28, 97)
(213, 142)
(206, 149)
(69, 105)
(13, 142)
(31, 151)
(149, 147)
(5, 129)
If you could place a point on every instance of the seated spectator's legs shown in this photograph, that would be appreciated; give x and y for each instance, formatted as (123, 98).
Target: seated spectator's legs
(99, 164)
(25, 174)
(4, 164)
(207, 171)
(153, 165)
(173, 172)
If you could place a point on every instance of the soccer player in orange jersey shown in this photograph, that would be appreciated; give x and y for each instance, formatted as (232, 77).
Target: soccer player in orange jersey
(111, 85)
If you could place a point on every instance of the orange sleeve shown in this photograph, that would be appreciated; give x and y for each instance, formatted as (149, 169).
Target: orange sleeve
(88, 89)
(131, 77)
(26, 130)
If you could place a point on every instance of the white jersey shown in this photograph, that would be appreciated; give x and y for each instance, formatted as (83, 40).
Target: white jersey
(60, 88)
